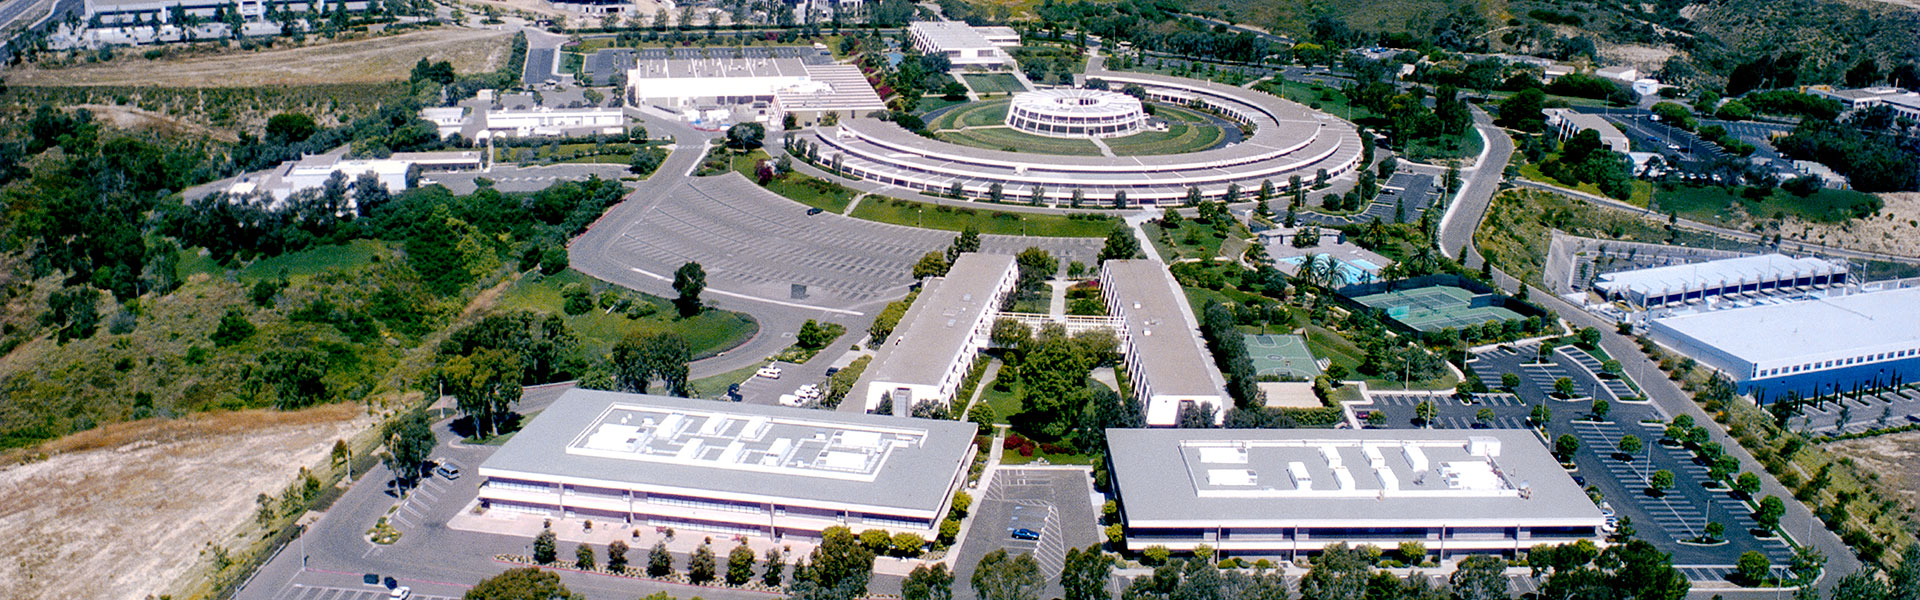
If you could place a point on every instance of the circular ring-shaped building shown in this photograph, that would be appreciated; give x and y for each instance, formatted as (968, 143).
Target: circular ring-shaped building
(1289, 145)
(1077, 113)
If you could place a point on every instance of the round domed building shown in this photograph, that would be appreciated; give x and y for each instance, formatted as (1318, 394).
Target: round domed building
(1076, 113)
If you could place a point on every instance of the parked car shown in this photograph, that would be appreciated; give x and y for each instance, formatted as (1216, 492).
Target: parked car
(768, 372)
(1025, 534)
(448, 471)
(400, 593)
(814, 211)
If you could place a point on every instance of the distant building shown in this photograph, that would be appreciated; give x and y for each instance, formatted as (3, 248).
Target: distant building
(1159, 343)
(1294, 491)
(962, 44)
(596, 7)
(554, 122)
(1904, 103)
(1567, 123)
(395, 172)
(1004, 37)
(122, 12)
(934, 345)
(731, 469)
(1718, 280)
(1805, 348)
(1622, 74)
(764, 89)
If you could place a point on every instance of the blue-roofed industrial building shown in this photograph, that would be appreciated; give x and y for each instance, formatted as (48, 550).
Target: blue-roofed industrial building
(1807, 348)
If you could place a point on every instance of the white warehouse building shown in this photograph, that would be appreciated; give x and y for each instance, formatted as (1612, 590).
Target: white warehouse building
(731, 469)
(1806, 348)
(1717, 280)
(934, 345)
(962, 44)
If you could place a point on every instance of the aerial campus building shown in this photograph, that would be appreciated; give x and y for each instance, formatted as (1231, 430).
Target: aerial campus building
(935, 343)
(122, 12)
(1720, 280)
(1281, 492)
(1903, 103)
(1805, 348)
(962, 44)
(1075, 113)
(752, 89)
(481, 123)
(396, 172)
(1567, 123)
(1160, 343)
(728, 468)
(1287, 140)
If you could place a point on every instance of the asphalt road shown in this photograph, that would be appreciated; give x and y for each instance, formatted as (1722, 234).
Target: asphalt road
(1476, 191)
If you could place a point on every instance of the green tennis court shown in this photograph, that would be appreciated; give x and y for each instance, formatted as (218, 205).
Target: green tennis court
(1283, 355)
(1438, 307)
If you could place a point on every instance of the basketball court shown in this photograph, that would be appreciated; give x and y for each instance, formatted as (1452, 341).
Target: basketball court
(1282, 355)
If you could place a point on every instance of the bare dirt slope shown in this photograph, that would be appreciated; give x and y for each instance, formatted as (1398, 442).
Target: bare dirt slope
(147, 497)
(1894, 230)
(1896, 457)
(130, 117)
(353, 61)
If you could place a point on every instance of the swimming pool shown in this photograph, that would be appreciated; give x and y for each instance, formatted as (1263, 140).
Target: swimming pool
(1358, 270)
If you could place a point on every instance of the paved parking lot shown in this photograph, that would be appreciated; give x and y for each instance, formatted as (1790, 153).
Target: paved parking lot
(1450, 413)
(1057, 502)
(306, 592)
(754, 242)
(1856, 415)
(807, 53)
(603, 65)
(1617, 389)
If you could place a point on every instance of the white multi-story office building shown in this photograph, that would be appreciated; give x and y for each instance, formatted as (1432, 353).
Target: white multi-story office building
(1160, 343)
(936, 341)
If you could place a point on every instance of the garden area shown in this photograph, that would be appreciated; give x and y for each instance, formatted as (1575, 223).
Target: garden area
(952, 218)
(993, 83)
(602, 314)
(800, 187)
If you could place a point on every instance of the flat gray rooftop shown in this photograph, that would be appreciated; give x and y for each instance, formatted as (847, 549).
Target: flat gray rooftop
(1157, 328)
(706, 446)
(935, 329)
(1659, 281)
(951, 35)
(1342, 478)
(1810, 328)
(707, 68)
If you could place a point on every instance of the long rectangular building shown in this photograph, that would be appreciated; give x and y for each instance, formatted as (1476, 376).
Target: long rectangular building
(1674, 285)
(962, 44)
(1805, 348)
(1160, 343)
(1288, 491)
(728, 468)
(935, 343)
(770, 87)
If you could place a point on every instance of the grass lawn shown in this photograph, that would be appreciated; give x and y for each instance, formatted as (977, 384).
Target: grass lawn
(716, 386)
(310, 261)
(1005, 404)
(566, 153)
(796, 186)
(706, 333)
(1189, 240)
(993, 83)
(1642, 191)
(1179, 138)
(1047, 55)
(1465, 145)
(932, 103)
(1714, 204)
(1013, 457)
(1007, 139)
(1040, 303)
(193, 262)
(949, 218)
(1325, 343)
(975, 114)
(1315, 96)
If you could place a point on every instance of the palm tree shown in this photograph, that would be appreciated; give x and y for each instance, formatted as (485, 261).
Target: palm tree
(1306, 272)
(1325, 272)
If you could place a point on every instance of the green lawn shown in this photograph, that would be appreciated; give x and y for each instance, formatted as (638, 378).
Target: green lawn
(1465, 145)
(949, 218)
(1189, 240)
(994, 83)
(1182, 136)
(618, 152)
(193, 262)
(1642, 191)
(314, 260)
(975, 114)
(1040, 303)
(798, 187)
(1714, 204)
(1010, 140)
(932, 103)
(716, 386)
(707, 333)
(1315, 96)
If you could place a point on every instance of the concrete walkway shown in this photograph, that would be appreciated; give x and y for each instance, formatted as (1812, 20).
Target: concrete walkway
(1057, 305)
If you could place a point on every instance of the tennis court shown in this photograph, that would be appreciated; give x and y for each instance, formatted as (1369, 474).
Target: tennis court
(1438, 307)
(1282, 355)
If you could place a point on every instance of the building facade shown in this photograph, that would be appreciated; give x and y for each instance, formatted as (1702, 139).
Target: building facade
(731, 469)
(1744, 277)
(1285, 492)
(1566, 123)
(934, 346)
(1160, 343)
(1807, 348)
(962, 44)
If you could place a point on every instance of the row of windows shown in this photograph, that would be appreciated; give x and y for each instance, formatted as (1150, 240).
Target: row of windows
(1841, 362)
(901, 180)
(703, 504)
(1053, 118)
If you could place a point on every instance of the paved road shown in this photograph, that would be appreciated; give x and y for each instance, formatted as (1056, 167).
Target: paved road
(1479, 184)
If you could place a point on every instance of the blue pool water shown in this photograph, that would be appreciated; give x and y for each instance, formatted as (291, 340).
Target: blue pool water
(1353, 271)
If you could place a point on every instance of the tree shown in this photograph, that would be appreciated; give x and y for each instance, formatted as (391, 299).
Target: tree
(1565, 446)
(1424, 411)
(527, 583)
(583, 557)
(702, 565)
(967, 241)
(1522, 111)
(773, 567)
(1484, 416)
(812, 336)
(1903, 581)
(544, 551)
(1339, 573)
(233, 328)
(1564, 387)
(1715, 530)
(290, 128)
(746, 136)
(409, 441)
(1084, 574)
(932, 264)
(617, 556)
(1120, 245)
(1480, 577)
(1541, 414)
(1747, 484)
(1601, 408)
(641, 357)
(739, 565)
(1589, 337)
(840, 562)
(644, 161)
(1509, 381)
(485, 385)
(1769, 513)
(1630, 444)
(689, 280)
(659, 560)
(1752, 568)
(925, 583)
(1660, 482)
(1002, 577)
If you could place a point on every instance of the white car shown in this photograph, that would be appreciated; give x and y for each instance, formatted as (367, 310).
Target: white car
(400, 593)
(768, 372)
(791, 400)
